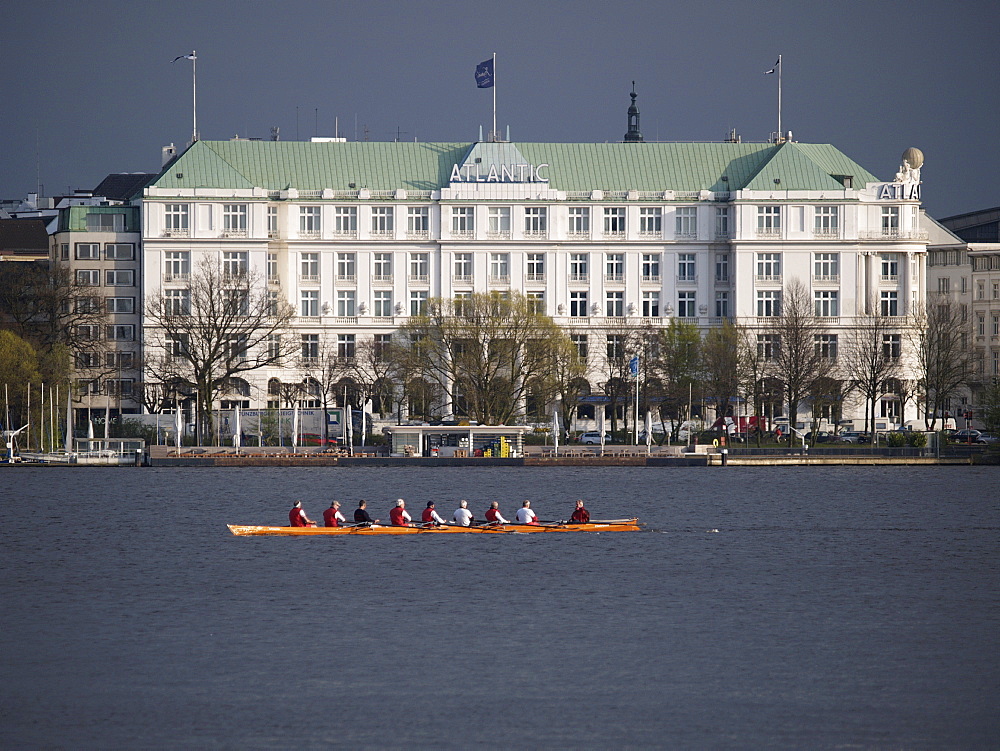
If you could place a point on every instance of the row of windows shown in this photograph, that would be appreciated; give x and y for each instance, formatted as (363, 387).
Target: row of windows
(121, 360)
(111, 305)
(112, 277)
(826, 220)
(769, 346)
(92, 251)
(994, 325)
(111, 386)
(118, 332)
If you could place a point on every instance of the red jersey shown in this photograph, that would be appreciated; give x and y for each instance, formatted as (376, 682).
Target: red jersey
(428, 516)
(396, 517)
(330, 518)
(295, 518)
(580, 516)
(492, 514)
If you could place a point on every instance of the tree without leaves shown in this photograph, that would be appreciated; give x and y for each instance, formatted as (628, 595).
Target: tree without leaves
(487, 349)
(721, 355)
(942, 357)
(755, 364)
(798, 361)
(868, 360)
(677, 365)
(623, 338)
(225, 330)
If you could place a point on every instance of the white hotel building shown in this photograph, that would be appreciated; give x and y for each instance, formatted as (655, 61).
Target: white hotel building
(358, 236)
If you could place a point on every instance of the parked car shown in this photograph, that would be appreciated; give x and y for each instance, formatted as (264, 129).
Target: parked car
(822, 436)
(854, 436)
(593, 438)
(971, 436)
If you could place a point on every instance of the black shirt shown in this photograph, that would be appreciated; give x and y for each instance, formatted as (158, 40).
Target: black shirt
(362, 516)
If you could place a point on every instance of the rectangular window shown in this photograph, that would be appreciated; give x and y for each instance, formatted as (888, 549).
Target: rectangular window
(88, 278)
(768, 221)
(463, 303)
(309, 307)
(580, 340)
(346, 267)
(827, 303)
(980, 325)
(123, 360)
(383, 224)
(536, 267)
(651, 221)
(382, 343)
(578, 304)
(463, 221)
(88, 251)
(996, 325)
(272, 303)
(272, 221)
(119, 251)
(417, 221)
(536, 221)
(273, 346)
(650, 304)
(614, 221)
(827, 221)
(383, 303)
(462, 269)
(175, 219)
(119, 277)
(498, 222)
(119, 304)
(419, 267)
(105, 222)
(88, 332)
(889, 303)
(309, 221)
(234, 263)
(418, 303)
(346, 347)
(769, 267)
(615, 305)
(87, 305)
(536, 301)
(686, 267)
(176, 302)
(310, 347)
(382, 267)
(890, 267)
(826, 267)
(309, 267)
(996, 290)
(891, 346)
(615, 346)
(614, 268)
(890, 221)
(578, 267)
(579, 221)
(272, 268)
(119, 386)
(121, 332)
(234, 219)
(88, 360)
(768, 346)
(345, 221)
(722, 223)
(686, 222)
(722, 267)
(500, 267)
(685, 305)
(64, 251)
(346, 303)
(944, 285)
(768, 303)
(176, 266)
(826, 345)
(650, 267)
(722, 304)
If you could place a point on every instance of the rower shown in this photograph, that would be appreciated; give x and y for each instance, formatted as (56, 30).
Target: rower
(362, 517)
(525, 515)
(431, 517)
(494, 516)
(580, 515)
(463, 517)
(297, 517)
(332, 516)
(398, 516)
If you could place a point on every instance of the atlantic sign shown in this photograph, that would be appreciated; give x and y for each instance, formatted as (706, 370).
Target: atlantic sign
(504, 173)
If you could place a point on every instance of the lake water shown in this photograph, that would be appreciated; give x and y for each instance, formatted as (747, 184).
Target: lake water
(836, 607)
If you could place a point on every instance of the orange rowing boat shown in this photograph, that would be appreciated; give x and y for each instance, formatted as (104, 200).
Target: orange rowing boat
(610, 525)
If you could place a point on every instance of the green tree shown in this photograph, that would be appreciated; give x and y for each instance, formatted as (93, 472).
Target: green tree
(677, 365)
(721, 365)
(18, 369)
(989, 401)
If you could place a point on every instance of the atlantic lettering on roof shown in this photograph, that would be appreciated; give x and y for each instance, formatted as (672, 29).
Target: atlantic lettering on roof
(503, 173)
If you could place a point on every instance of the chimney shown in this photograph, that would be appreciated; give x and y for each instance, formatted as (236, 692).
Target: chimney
(168, 153)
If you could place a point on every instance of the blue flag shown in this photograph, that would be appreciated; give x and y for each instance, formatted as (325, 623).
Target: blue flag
(484, 74)
(633, 366)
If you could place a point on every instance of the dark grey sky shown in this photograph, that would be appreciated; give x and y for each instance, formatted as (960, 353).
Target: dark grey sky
(88, 88)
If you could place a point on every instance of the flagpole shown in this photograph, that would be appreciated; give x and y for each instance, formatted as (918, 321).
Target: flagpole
(194, 96)
(495, 138)
(779, 99)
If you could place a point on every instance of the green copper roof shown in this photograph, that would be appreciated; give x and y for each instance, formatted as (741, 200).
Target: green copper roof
(276, 165)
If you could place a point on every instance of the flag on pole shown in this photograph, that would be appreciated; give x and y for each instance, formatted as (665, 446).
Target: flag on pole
(295, 428)
(600, 424)
(775, 68)
(237, 430)
(69, 420)
(649, 429)
(178, 424)
(349, 416)
(484, 74)
(633, 366)
(184, 57)
(555, 429)
(90, 429)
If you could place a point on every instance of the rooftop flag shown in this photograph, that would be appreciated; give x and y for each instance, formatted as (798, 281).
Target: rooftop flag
(775, 68)
(484, 74)
(184, 57)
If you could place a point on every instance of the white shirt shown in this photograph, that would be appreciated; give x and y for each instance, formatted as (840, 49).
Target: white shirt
(339, 517)
(525, 516)
(500, 518)
(406, 516)
(463, 517)
(437, 517)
